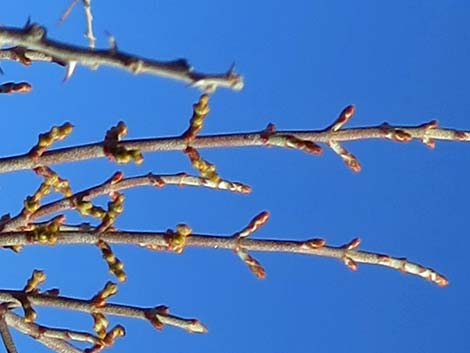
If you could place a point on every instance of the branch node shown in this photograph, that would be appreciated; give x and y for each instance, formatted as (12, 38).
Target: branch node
(35, 32)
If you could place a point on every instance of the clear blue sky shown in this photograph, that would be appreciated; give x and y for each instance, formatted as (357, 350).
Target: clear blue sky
(404, 62)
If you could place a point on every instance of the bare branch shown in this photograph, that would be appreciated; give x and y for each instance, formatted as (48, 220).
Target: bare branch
(32, 38)
(89, 23)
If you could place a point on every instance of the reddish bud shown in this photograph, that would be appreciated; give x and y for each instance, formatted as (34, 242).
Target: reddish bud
(315, 243)
(350, 263)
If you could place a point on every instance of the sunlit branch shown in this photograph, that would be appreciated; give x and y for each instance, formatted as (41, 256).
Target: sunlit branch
(49, 337)
(89, 23)
(248, 139)
(31, 39)
(119, 183)
(348, 254)
(61, 302)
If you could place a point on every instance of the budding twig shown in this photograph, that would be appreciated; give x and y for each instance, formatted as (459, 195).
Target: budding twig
(427, 133)
(118, 183)
(62, 302)
(348, 254)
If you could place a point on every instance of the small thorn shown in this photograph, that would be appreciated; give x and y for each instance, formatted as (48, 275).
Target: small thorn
(70, 69)
(231, 70)
(112, 41)
(28, 22)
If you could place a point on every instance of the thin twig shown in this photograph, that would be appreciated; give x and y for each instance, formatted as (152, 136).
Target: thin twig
(31, 329)
(61, 302)
(4, 330)
(244, 139)
(33, 38)
(159, 240)
(68, 10)
(111, 185)
(89, 23)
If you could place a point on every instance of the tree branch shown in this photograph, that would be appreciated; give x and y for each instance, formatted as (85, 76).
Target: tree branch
(347, 253)
(119, 183)
(40, 334)
(66, 303)
(427, 133)
(31, 44)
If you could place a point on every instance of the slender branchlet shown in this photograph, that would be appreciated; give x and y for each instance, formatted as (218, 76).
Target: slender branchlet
(98, 307)
(176, 242)
(427, 133)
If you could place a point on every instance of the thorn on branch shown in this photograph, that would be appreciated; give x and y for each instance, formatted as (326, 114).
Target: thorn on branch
(69, 69)
(209, 83)
(38, 48)
(112, 42)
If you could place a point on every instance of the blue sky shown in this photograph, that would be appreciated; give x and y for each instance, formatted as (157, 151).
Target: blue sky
(303, 61)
